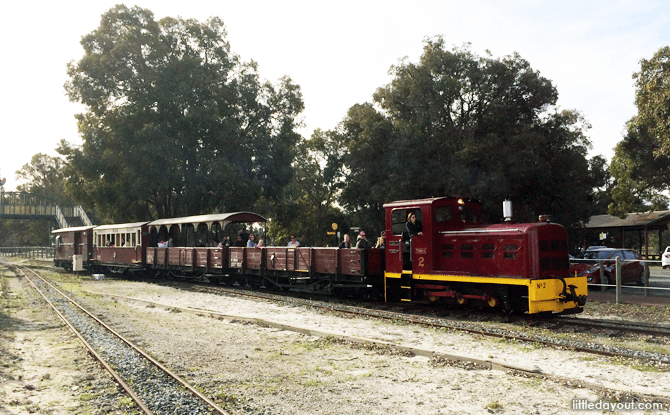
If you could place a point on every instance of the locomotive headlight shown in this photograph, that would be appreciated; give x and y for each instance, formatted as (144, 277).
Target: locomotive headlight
(461, 202)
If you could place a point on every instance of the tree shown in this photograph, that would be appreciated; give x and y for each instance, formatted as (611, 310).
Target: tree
(641, 172)
(459, 124)
(653, 97)
(307, 208)
(175, 124)
(44, 177)
(641, 162)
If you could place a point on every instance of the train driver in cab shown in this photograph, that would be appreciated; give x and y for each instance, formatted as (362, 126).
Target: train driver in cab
(414, 226)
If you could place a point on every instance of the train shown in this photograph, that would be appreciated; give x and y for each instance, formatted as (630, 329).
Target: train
(455, 261)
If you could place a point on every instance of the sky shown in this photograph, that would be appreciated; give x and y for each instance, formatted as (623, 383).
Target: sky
(340, 53)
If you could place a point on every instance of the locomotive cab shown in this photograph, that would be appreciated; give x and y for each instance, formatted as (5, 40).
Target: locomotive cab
(415, 254)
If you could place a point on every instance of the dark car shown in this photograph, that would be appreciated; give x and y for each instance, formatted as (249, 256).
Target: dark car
(632, 271)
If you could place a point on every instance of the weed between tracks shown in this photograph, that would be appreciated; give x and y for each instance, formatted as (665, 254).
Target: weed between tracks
(641, 312)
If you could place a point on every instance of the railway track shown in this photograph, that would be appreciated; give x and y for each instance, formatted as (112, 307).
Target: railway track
(474, 328)
(155, 389)
(519, 368)
(620, 325)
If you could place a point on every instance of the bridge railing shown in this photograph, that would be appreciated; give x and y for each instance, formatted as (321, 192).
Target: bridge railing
(28, 251)
(60, 218)
(20, 205)
(81, 214)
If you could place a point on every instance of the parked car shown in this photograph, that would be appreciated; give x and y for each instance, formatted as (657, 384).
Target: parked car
(632, 271)
(665, 258)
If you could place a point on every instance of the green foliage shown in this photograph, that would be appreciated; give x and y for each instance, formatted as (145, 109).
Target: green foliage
(307, 207)
(175, 123)
(459, 124)
(43, 176)
(20, 232)
(641, 171)
(653, 97)
(641, 163)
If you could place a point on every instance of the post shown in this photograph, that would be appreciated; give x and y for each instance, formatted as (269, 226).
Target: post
(618, 280)
(646, 278)
(602, 275)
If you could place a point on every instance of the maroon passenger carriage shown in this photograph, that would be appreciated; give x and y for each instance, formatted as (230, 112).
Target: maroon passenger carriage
(191, 254)
(73, 247)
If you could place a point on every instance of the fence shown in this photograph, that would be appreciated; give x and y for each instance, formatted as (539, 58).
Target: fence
(607, 263)
(28, 252)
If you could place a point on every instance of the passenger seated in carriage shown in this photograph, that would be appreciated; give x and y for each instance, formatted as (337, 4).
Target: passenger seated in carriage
(361, 242)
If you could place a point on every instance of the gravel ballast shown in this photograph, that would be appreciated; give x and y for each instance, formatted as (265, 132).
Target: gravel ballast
(252, 369)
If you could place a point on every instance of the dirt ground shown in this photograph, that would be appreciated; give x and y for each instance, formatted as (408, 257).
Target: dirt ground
(250, 368)
(44, 368)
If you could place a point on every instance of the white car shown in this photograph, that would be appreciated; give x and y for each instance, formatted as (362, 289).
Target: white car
(665, 258)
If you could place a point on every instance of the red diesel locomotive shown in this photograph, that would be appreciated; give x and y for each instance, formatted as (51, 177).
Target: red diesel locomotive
(522, 267)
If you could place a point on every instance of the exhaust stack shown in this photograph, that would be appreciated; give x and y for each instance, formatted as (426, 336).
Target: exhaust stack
(507, 210)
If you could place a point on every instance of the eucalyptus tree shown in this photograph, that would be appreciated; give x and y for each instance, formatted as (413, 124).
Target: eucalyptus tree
(308, 207)
(459, 124)
(652, 97)
(641, 172)
(641, 162)
(175, 123)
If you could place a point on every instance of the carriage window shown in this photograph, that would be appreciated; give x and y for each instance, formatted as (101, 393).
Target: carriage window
(443, 214)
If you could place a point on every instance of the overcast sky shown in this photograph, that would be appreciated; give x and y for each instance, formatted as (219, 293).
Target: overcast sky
(340, 52)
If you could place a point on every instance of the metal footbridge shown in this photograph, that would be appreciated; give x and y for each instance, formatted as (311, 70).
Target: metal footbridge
(22, 205)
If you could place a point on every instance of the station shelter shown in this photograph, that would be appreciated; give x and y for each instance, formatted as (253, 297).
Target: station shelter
(645, 232)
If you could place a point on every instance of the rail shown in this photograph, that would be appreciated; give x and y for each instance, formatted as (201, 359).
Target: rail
(81, 214)
(60, 218)
(46, 252)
